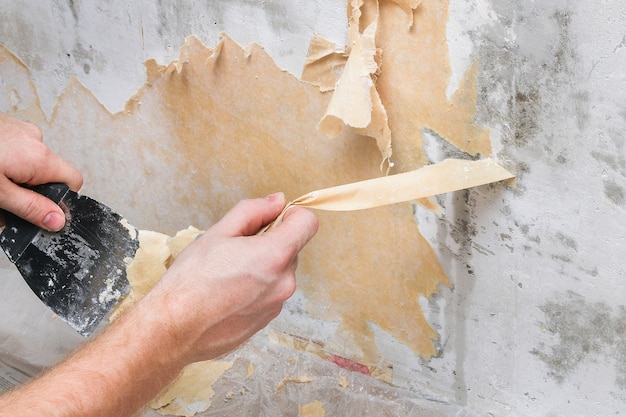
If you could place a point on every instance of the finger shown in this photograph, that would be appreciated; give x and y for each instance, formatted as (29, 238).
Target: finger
(248, 216)
(12, 126)
(37, 164)
(298, 227)
(31, 206)
(58, 170)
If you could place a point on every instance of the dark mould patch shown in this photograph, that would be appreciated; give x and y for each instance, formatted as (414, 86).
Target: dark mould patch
(525, 229)
(526, 109)
(73, 9)
(580, 100)
(564, 55)
(614, 160)
(561, 159)
(593, 272)
(607, 158)
(585, 332)
(567, 241)
(547, 88)
(561, 258)
(614, 193)
(459, 223)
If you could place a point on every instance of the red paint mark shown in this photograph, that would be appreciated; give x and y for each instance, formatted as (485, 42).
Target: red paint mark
(350, 365)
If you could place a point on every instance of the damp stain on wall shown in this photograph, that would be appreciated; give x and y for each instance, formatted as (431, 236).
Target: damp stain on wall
(584, 332)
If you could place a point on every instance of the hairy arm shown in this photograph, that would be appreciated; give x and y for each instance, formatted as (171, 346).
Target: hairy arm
(220, 291)
(113, 375)
(223, 288)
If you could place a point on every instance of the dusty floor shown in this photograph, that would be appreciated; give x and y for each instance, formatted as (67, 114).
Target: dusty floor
(284, 380)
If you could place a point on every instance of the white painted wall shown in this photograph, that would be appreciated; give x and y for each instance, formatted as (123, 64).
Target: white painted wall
(536, 322)
(105, 43)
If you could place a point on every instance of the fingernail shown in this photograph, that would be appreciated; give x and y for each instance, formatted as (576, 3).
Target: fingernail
(275, 196)
(54, 221)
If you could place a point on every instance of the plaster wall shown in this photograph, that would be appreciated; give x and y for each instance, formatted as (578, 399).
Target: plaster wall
(534, 324)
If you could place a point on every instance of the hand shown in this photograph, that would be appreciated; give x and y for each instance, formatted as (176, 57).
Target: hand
(230, 282)
(219, 291)
(25, 160)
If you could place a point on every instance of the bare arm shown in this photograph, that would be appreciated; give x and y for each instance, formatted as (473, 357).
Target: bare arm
(222, 289)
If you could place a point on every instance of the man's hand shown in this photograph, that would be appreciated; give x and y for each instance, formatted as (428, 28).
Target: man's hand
(230, 282)
(223, 288)
(25, 160)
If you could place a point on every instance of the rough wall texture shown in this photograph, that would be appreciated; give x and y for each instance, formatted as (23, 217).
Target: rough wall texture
(534, 323)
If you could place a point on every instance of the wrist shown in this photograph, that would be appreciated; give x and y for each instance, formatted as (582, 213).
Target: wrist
(151, 326)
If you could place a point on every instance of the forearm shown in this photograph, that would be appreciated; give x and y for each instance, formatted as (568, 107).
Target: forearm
(116, 374)
(224, 287)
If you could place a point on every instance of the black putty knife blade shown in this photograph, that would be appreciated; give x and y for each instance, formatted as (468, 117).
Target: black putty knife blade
(80, 271)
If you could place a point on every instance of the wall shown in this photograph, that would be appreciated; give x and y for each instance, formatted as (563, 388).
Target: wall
(534, 321)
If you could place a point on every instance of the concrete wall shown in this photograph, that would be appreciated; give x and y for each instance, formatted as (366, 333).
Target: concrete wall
(535, 323)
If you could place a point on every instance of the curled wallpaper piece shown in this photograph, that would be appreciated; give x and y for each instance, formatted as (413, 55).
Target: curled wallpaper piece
(192, 392)
(355, 101)
(324, 63)
(351, 102)
(443, 177)
(378, 128)
(425, 104)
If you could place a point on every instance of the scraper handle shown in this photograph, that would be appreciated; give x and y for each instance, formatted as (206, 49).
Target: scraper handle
(18, 233)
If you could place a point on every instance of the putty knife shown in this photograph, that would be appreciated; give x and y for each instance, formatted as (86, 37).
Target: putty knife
(80, 271)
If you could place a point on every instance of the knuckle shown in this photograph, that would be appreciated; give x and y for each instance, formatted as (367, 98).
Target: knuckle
(246, 204)
(34, 131)
(278, 262)
(43, 153)
(285, 286)
(276, 312)
(288, 288)
(33, 156)
(30, 207)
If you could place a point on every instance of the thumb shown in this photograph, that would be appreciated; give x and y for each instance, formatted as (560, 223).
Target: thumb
(31, 206)
(248, 216)
(297, 228)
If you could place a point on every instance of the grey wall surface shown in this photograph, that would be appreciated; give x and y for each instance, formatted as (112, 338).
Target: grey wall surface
(535, 324)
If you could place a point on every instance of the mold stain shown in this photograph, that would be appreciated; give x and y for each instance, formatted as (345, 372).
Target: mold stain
(547, 88)
(563, 53)
(615, 161)
(567, 241)
(615, 193)
(526, 110)
(583, 332)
